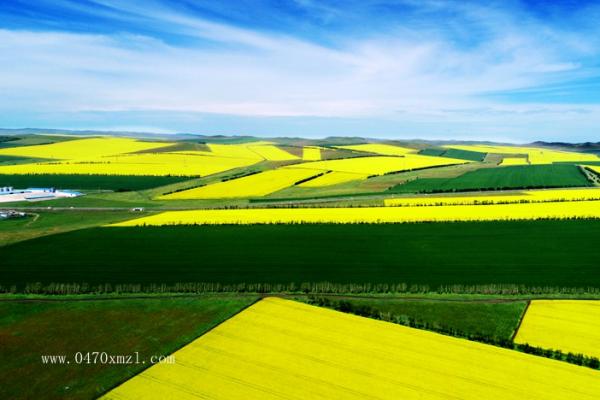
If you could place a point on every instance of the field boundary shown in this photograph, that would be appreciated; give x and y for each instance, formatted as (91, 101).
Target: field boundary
(512, 338)
(183, 345)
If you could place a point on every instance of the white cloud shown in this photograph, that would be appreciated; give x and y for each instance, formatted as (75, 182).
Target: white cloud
(395, 74)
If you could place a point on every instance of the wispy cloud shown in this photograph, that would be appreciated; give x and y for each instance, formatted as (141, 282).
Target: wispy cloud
(425, 67)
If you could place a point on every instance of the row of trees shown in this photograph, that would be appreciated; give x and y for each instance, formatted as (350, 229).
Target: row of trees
(293, 287)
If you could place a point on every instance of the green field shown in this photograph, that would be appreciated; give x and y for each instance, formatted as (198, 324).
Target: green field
(11, 159)
(89, 182)
(432, 152)
(33, 140)
(464, 154)
(530, 253)
(512, 177)
(490, 319)
(49, 223)
(454, 153)
(150, 327)
(579, 162)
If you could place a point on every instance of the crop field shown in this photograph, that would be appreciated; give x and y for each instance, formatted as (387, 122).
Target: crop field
(379, 165)
(372, 215)
(88, 182)
(490, 319)
(82, 148)
(333, 178)
(224, 221)
(50, 222)
(271, 153)
(514, 161)
(528, 196)
(332, 171)
(311, 153)
(435, 152)
(283, 349)
(454, 153)
(158, 164)
(464, 154)
(511, 177)
(12, 159)
(383, 149)
(255, 185)
(146, 326)
(594, 168)
(119, 156)
(530, 253)
(534, 155)
(570, 326)
(30, 140)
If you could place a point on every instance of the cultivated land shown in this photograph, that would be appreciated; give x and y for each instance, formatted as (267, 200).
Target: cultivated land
(118, 327)
(512, 177)
(497, 320)
(570, 326)
(561, 254)
(289, 219)
(118, 183)
(283, 349)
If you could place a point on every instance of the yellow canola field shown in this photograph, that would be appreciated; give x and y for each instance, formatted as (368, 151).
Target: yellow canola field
(535, 155)
(281, 349)
(272, 153)
(567, 325)
(255, 185)
(82, 148)
(379, 165)
(383, 149)
(159, 164)
(559, 210)
(514, 161)
(310, 153)
(595, 168)
(233, 151)
(530, 196)
(333, 178)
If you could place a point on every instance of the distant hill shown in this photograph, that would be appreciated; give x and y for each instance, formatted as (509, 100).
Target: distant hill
(587, 147)
(8, 134)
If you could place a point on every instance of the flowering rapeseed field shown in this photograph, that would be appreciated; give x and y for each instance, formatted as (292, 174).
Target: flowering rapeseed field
(384, 149)
(280, 349)
(255, 185)
(567, 325)
(272, 153)
(81, 149)
(535, 155)
(495, 212)
(333, 178)
(528, 196)
(514, 161)
(311, 153)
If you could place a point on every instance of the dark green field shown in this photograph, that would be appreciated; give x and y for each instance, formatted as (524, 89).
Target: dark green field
(512, 177)
(89, 182)
(150, 327)
(432, 152)
(454, 153)
(50, 223)
(491, 319)
(579, 162)
(530, 253)
(464, 154)
(11, 159)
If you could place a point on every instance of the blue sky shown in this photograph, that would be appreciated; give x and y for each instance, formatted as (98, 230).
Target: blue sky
(513, 71)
